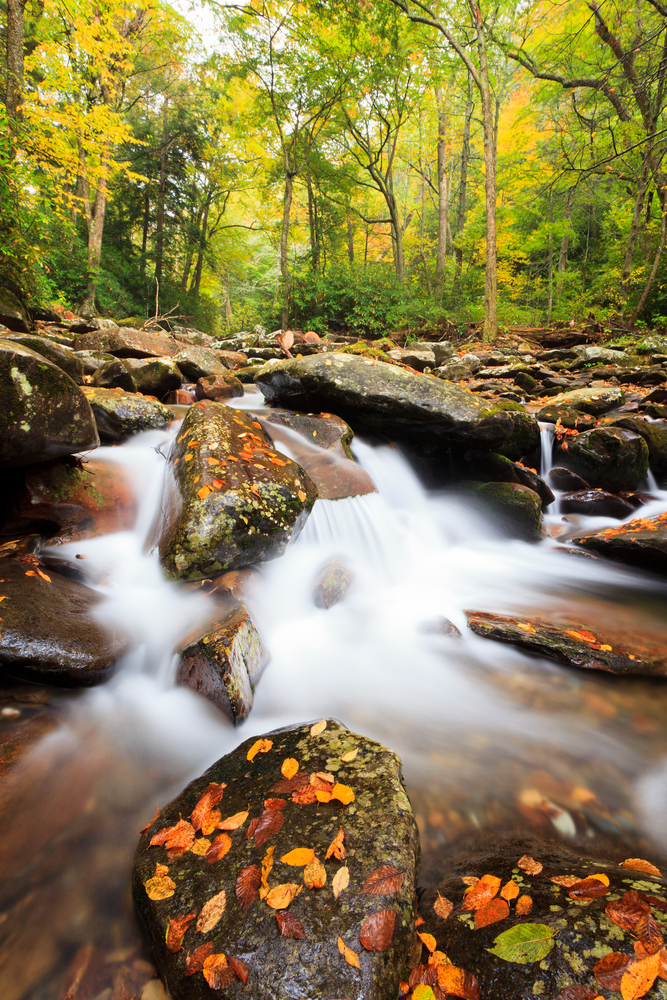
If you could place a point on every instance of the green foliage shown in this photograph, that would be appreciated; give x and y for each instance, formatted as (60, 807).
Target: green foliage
(524, 943)
(345, 298)
(21, 217)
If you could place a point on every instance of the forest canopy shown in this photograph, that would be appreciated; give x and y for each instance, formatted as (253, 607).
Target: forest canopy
(367, 165)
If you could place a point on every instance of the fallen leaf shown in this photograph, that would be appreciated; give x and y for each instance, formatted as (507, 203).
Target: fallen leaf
(588, 888)
(384, 881)
(341, 880)
(639, 865)
(275, 803)
(267, 865)
(628, 911)
(578, 993)
(176, 838)
(378, 930)
(524, 943)
(319, 727)
(458, 982)
(443, 907)
(176, 930)
(299, 857)
(315, 875)
(206, 803)
(160, 886)
(203, 492)
(350, 755)
(239, 968)
(510, 890)
(583, 635)
(469, 879)
(259, 746)
(213, 817)
(322, 780)
(305, 796)
(481, 893)
(151, 821)
(530, 865)
(491, 913)
(289, 767)
(526, 626)
(649, 932)
(200, 846)
(270, 822)
(233, 822)
(428, 940)
(211, 912)
(291, 784)
(524, 905)
(219, 847)
(337, 847)
(217, 973)
(600, 878)
(290, 926)
(247, 885)
(195, 961)
(348, 954)
(281, 896)
(322, 796)
(422, 992)
(565, 880)
(639, 977)
(343, 793)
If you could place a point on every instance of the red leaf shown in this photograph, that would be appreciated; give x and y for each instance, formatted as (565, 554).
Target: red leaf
(247, 885)
(588, 888)
(577, 993)
(609, 970)
(275, 803)
(218, 848)
(208, 800)
(378, 930)
(628, 911)
(496, 909)
(177, 928)
(195, 961)
(269, 823)
(649, 932)
(384, 881)
(290, 926)
(239, 968)
(252, 827)
(177, 839)
(294, 784)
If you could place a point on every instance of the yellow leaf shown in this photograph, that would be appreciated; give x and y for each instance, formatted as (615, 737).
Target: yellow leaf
(318, 728)
(281, 897)
(428, 940)
(299, 857)
(289, 767)
(267, 865)
(200, 846)
(606, 649)
(343, 793)
(160, 886)
(341, 880)
(350, 956)
(347, 757)
(639, 977)
(315, 874)
(322, 796)
(259, 746)
(510, 890)
(600, 878)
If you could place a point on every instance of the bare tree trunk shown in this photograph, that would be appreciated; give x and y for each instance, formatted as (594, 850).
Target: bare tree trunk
(443, 199)
(95, 218)
(144, 228)
(488, 122)
(564, 243)
(159, 215)
(656, 262)
(350, 235)
(550, 256)
(312, 224)
(196, 281)
(463, 182)
(15, 37)
(635, 226)
(284, 238)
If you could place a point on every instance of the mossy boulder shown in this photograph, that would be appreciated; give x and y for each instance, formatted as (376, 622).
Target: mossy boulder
(524, 437)
(326, 430)
(382, 398)
(120, 414)
(116, 374)
(516, 509)
(653, 344)
(363, 873)
(569, 417)
(219, 387)
(92, 360)
(43, 413)
(654, 433)
(198, 362)
(493, 468)
(642, 542)
(157, 378)
(59, 355)
(13, 312)
(612, 458)
(593, 400)
(231, 499)
(128, 343)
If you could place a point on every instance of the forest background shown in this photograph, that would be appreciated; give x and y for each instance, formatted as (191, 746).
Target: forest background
(359, 165)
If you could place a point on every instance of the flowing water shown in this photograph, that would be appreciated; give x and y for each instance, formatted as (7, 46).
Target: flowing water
(488, 736)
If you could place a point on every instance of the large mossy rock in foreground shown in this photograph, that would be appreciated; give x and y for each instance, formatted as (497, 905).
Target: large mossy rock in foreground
(382, 398)
(230, 499)
(236, 900)
(120, 414)
(43, 414)
(516, 509)
(544, 919)
(642, 542)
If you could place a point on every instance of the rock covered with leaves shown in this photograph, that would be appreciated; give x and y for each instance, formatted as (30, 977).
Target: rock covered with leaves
(612, 458)
(641, 542)
(231, 499)
(288, 870)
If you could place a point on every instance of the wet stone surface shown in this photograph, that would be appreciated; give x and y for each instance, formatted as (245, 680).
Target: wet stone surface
(641, 542)
(119, 414)
(362, 820)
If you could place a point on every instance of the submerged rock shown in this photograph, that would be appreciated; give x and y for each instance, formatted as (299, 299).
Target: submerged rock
(225, 664)
(231, 499)
(642, 542)
(516, 509)
(43, 413)
(379, 397)
(612, 458)
(305, 896)
(333, 583)
(49, 632)
(118, 414)
(55, 353)
(593, 400)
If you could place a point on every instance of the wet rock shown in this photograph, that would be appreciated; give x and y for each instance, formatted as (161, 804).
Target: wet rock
(491, 467)
(656, 396)
(654, 410)
(516, 509)
(524, 438)
(231, 499)
(118, 414)
(653, 344)
(334, 581)
(115, 375)
(218, 387)
(58, 355)
(13, 313)
(413, 358)
(383, 398)
(568, 934)
(595, 503)
(94, 324)
(225, 664)
(636, 499)
(323, 429)
(92, 360)
(246, 374)
(378, 829)
(568, 416)
(198, 362)
(76, 500)
(655, 435)
(642, 542)
(526, 381)
(26, 716)
(43, 414)
(564, 479)
(612, 458)
(157, 378)
(49, 632)
(124, 342)
(181, 397)
(644, 376)
(593, 400)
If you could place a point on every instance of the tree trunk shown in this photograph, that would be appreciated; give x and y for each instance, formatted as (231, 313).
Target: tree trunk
(15, 36)
(635, 225)
(144, 228)
(463, 182)
(443, 200)
(162, 187)
(312, 224)
(95, 217)
(565, 242)
(656, 261)
(284, 238)
(488, 122)
(350, 235)
(196, 281)
(550, 256)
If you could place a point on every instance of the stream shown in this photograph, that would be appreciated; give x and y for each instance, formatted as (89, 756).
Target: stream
(489, 736)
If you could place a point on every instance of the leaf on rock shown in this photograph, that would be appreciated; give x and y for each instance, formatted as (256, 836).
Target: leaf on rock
(524, 943)
(343, 793)
(318, 728)
(384, 881)
(628, 911)
(207, 802)
(211, 912)
(337, 847)
(588, 888)
(524, 905)
(315, 875)
(233, 822)
(289, 767)
(280, 897)
(378, 930)
(160, 886)
(270, 822)
(341, 880)
(176, 930)
(350, 755)
(305, 795)
(211, 820)
(219, 847)
(275, 803)
(481, 893)
(428, 940)
(151, 821)
(566, 881)
(469, 879)
(578, 993)
(609, 970)
(176, 838)
(217, 973)
(290, 926)
(510, 890)
(649, 932)
(259, 746)
(267, 865)
(247, 885)
(348, 954)
(443, 907)
(639, 977)
(200, 846)
(299, 857)
(639, 865)
(239, 968)
(530, 865)
(195, 961)
(491, 913)
(458, 982)
(294, 784)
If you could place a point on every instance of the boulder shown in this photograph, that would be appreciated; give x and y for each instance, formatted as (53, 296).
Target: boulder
(413, 358)
(225, 664)
(516, 509)
(612, 458)
(44, 414)
(376, 396)
(568, 416)
(191, 336)
(490, 467)
(124, 342)
(524, 439)
(13, 313)
(311, 893)
(521, 917)
(564, 479)
(157, 378)
(453, 371)
(197, 362)
(58, 355)
(115, 374)
(588, 354)
(326, 430)
(443, 350)
(230, 498)
(49, 630)
(118, 414)
(642, 542)
(593, 400)
(653, 344)
(247, 373)
(219, 387)
(526, 381)
(654, 433)
(595, 503)
(94, 324)
(333, 583)
(92, 360)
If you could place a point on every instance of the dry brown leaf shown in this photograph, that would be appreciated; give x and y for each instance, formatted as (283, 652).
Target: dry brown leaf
(443, 907)
(315, 875)
(211, 912)
(290, 926)
(160, 886)
(337, 847)
(318, 728)
(195, 961)
(269, 822)
(588, 888)
(239, 968)
(510, 890)
(609, 970)
(639, 865)
(281, 896)
(567, 881)
(341, 880)
(233, 822)
(378, 930)
(469, 879)
(299, 857)
(384, 881)
(524, 905)
(530, 865)
(289, 767)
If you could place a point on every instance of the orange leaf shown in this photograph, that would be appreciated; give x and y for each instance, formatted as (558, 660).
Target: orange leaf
(481, 893)
(299, 857)
(195, 961)
(428, 940)
(609, 970)
(510, 890)
(267, 865)
(384, 881)
(318, 728)
(583, 635)
(217, 973)
(160, 886)
(208, 800)
(289, 767)
(350, 956)
(282, 895)
(458, 982)
(530, 865)
(200, 846)
(176, 931)
(233, 822)
(343, 793)
(443, 907)
(337, 846)
(247, 885)
(639, 977)
(302, 496)
(259, 746)
(565, 880)
(219, 847)
(524, 905)
(203, 492)
(175, 838)
(639, 865)
(491, 912)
